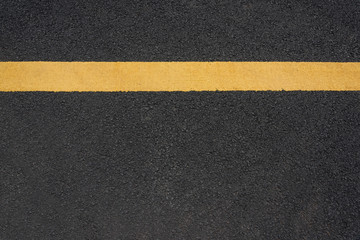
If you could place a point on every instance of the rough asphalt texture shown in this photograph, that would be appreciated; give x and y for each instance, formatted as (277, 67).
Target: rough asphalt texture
(235, 165)
(180, 30)
(198, 165)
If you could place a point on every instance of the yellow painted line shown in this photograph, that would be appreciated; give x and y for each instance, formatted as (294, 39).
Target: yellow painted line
(178, 76)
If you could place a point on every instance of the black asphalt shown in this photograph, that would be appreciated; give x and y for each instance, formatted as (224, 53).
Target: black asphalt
(235, 165)
(180, 30)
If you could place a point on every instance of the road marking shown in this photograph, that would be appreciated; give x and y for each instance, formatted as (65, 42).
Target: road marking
(179, 76)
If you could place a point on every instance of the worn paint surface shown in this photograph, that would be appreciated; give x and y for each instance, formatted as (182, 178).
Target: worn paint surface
(178, 76)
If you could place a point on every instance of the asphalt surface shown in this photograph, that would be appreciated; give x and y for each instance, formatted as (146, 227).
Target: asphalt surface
(235, 165)
(195, 165)
(180, 30)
